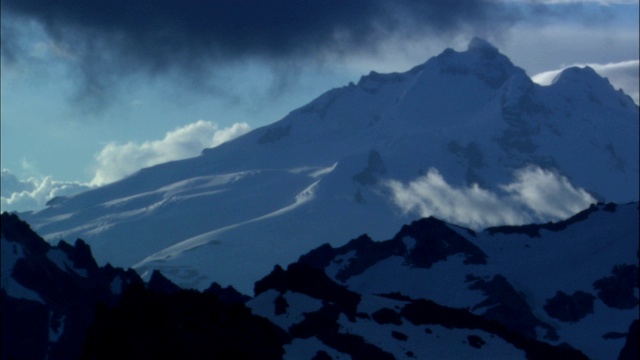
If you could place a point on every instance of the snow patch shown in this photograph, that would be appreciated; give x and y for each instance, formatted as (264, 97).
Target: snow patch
(430, 342)
(297, 305)
(409, 243)
(324, 171)
(339, 263)
(308, 348)
(444, 283)
(54, 334)
(116, 285)
(11, 253)
(60, 259)
(263, 304)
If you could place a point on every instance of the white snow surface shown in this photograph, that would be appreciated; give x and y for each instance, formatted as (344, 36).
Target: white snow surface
(308, 348)
(54, 334)
(441, 343)
(116, 285)
(299, 304)
(324, 173)
(11, 253)
(62, 261)
(443, 283)
(568, 260)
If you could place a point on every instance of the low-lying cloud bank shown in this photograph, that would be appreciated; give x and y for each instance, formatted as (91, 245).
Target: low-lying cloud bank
(535, 195)
(33, 193)
(623, 75)
(115, 161)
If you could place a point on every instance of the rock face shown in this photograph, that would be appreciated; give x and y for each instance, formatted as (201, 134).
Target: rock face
(51, 292)
(618, 291)
(180, 325)
(465, 137)
(57, 303)
(570, 308)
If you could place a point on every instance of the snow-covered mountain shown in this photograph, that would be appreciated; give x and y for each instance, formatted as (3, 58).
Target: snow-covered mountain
(432, 290)
(466, 136)
(563, 290)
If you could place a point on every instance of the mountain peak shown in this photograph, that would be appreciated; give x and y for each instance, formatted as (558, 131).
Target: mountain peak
(578, 74)
(481, 60)
(592, 87)
(480, 44)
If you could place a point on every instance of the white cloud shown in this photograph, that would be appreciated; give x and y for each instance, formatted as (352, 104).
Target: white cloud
(623, 75)
(547, 194)
(534, 195)
(115, 161)
(33, 193)
(11, 184)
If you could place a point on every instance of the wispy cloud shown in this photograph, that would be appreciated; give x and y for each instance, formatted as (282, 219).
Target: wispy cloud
(534, 195)
(547, 194)
(623, 75)
(116, 161)
(33, 193)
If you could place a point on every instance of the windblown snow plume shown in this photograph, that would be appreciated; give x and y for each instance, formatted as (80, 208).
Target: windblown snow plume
(534, 195)
(622, 75)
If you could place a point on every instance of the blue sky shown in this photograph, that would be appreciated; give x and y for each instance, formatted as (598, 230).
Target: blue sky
(93, 93)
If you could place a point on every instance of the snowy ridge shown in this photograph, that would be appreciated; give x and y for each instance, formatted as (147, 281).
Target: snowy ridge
(58, 304)
(11, 253)
(552, 282)
(49, 293)
(559, 290)
(466, 137)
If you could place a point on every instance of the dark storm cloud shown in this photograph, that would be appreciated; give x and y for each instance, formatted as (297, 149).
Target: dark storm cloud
(111, 38)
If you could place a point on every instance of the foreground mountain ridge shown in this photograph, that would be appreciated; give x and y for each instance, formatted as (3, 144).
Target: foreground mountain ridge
(466, 137)
(564, 290)
(57, 303)
(573, 282)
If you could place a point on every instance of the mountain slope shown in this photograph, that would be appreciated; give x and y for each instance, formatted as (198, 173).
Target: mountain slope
(466, 136)
(573, 282)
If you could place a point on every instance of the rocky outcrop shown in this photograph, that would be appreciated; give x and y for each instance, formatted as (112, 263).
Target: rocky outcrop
(57, 303)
